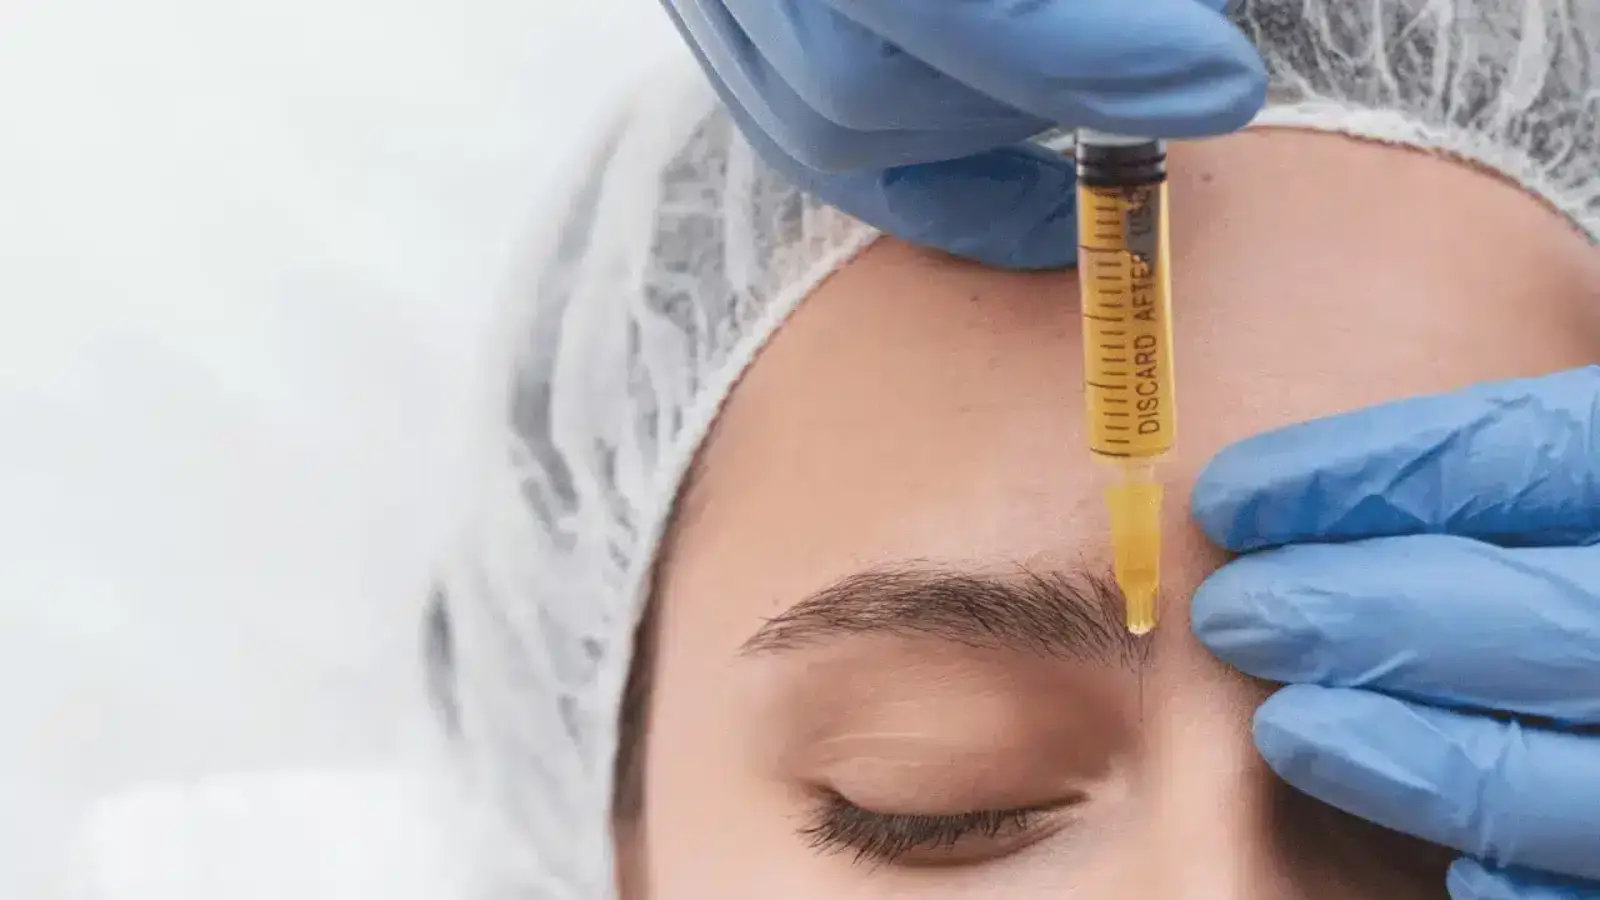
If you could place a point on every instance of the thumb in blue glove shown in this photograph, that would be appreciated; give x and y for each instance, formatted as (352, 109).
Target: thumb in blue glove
(1423, 576)
(912, 116)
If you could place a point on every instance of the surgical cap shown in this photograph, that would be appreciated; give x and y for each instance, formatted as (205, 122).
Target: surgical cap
(679, 254)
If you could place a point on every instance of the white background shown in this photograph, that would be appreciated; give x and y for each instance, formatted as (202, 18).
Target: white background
(246, 250)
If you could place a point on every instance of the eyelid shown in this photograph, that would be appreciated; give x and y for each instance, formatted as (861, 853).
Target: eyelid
(894, 838)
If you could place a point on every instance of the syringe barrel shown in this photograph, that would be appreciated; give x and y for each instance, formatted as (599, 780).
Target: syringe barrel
(1126, 286)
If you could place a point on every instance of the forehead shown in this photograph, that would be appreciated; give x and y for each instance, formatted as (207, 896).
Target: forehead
(910, 394)
(916, 407)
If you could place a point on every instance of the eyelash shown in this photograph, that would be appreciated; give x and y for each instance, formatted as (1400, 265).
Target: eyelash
(841, 826)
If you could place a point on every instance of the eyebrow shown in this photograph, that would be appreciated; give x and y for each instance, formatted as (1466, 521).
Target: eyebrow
(1076, 614)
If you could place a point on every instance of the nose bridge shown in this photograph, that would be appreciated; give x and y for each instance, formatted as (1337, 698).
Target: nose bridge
(1210, 801)
(1214, 822)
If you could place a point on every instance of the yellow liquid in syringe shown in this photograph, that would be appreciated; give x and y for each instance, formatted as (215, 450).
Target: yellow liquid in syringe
(1127, 343)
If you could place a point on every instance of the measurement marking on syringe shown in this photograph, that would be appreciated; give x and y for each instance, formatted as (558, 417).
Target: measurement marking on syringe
(1107, 387)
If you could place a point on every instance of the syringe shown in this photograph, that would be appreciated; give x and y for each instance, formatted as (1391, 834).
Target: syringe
(1127, 346)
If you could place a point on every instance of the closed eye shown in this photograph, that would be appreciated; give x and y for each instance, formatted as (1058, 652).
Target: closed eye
(965, 838)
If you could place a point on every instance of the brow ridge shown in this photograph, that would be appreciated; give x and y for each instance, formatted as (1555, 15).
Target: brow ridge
(1070, 614)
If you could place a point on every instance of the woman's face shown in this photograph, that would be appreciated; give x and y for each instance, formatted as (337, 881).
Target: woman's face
(889, 659)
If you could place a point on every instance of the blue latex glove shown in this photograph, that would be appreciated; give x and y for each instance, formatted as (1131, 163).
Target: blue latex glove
(1432, 599)
(909, 114)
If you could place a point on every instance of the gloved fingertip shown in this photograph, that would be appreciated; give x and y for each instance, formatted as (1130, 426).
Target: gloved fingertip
(1324, 740)
(1469, 880)
(1012, 208)
(1242, 616)
(1246, 100)
(1220, 613)
(1214, 80)
(1280, 728)
(1225, 503)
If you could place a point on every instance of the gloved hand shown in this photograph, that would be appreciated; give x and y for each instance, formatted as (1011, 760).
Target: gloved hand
(908, 114)
(1424, 576)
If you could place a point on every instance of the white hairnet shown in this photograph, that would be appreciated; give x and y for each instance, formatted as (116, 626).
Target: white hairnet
(681, 253)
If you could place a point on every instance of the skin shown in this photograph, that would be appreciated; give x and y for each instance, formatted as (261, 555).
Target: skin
(917, 408)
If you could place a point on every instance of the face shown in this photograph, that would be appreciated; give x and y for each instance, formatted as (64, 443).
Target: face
(889, 660)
